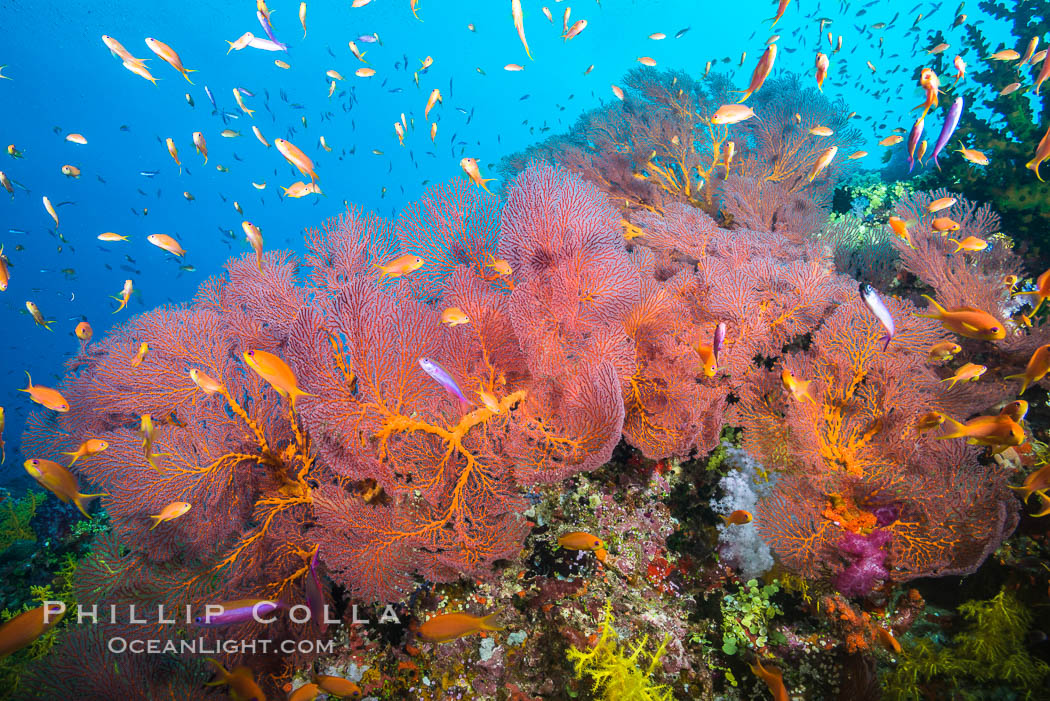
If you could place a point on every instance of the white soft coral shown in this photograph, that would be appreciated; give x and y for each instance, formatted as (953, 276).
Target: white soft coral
(742, 545)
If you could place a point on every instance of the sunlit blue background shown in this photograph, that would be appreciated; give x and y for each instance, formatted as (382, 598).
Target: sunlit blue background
(65, 80)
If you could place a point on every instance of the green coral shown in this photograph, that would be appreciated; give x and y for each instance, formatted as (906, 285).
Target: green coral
(990, 651)
(615, 671)
(15, 515)
(746, 616)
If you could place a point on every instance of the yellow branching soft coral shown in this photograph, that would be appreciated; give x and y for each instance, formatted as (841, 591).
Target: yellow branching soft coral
(616, 672)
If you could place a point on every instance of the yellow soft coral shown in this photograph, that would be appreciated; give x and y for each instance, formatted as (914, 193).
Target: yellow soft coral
(615, 675)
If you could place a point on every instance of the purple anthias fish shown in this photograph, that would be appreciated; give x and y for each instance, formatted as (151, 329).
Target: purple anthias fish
(950, 123)
(267, 45)
(315, 594)
(878, 308)
(367, 38)
(235, 612)
(269, 30)
(441, 376)
(719, 339)
(913, 141)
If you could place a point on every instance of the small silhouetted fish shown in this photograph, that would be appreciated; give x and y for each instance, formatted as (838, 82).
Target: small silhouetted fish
(15, 231)
(148, 173)
(681, 32)
(247, 92)
(124, 127)
(524, 97)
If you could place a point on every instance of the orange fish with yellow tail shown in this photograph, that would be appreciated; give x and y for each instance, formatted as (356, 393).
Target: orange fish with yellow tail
(761, 72)
(45, 396)
(450, 626)
(1037, 368)
(60, 482)
(967, 321)
(170, 57)
(91, 446)
(277, 373)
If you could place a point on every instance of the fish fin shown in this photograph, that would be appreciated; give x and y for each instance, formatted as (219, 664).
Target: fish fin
(888, 337)
(969, 327)
(82, 501)
(1024, 382)
(219, 670)
(940, 310)
(30, 377)
(156, 521)
(486, 623)
(956, 429)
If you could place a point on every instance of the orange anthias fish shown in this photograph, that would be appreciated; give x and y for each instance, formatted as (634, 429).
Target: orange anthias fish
(140, 355)
(166, 242)
(761, 72)
(454, 316)
(169, 56)
(206, 383)
(46, 397)
(125, 295)
(241, 682)
(38, 316)
(943, 225)
(731, 114)
(943, 352)
(201, 145)
(277, 373)
(27, 627)
(929, 421)
(707, 357)
(1037, 368)
(738, 518)
(939, 204)
(173, 152)
(296, 157)
(5, 274)
(773, 679)
(1038, 481)
(782, 6)
(400, 266)
(338, 687)
(822, 70)
(471, 168)
(254, 238)
(931, 84)
(823, 161)
(1042, 151)
(1000, 431)
(1041, 291)
(450, 626)
(306, 692)
(970, 243)
(169, 512)
(971, 372)
(499, 266)
(519, 24)
(88, 448)
(967, 321)
(900, 228)
(579, 540)
(800, 389)
(60, 482)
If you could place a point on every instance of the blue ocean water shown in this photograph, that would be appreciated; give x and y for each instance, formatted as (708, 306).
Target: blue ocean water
(64, 80)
